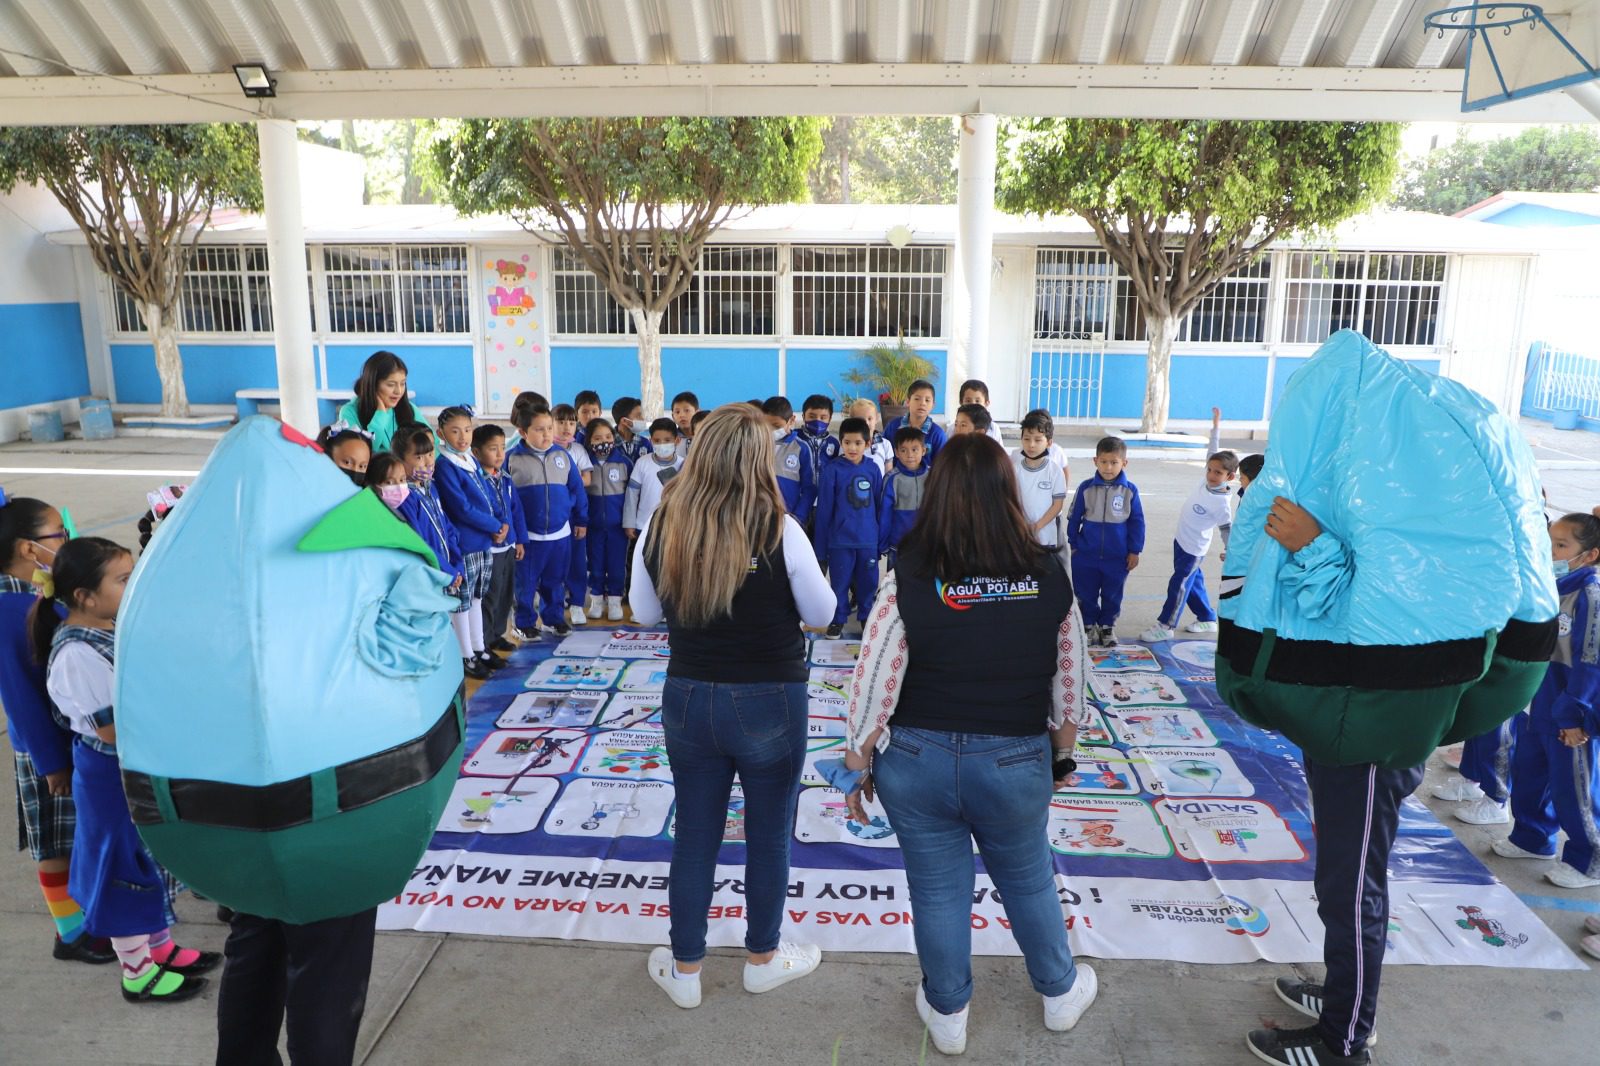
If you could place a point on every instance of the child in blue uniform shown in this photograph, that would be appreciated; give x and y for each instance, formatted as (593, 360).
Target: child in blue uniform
(792, 459)
(919, 416)
(1106, 532)
(566, 436)
(465, 496)
(122, 890)
(556, 509)
(902, 492)
(607, 540)
(31, 533)
(489, 448)
(631, 439)
(815, 415)
(847, 530)
(1557, 780)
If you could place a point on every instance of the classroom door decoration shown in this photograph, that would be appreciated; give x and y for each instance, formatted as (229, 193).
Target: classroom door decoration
(515, 337)
(1185, 833)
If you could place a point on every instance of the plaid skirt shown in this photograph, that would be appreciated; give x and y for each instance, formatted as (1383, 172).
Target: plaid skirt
(45, 823)
(479, 567)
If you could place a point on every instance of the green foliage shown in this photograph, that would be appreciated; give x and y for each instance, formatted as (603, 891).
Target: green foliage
(1539, 159)
(399, 168)
(890, 369)
(886, 160)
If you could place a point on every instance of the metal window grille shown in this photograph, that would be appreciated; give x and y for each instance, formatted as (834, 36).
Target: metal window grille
(225, 289)
(868, 291)
(405, 289)
(1071, 293)
(733, 293)
(1392, 298)
(1234, 312)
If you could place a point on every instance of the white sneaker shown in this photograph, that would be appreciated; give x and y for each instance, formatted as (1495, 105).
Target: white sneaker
(948, 1031)
(790, 962)
(614, 608)
(1483, 812)
(1156, 634)
(577, 615)
(1591, 924)
(596, 606)
(1458, 789)
(1200, 627)
(1062, 1012)
(1565, 875)
(1507, 850)
(684, 991)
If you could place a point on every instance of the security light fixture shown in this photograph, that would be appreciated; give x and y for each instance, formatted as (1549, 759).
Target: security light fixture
(254, 80)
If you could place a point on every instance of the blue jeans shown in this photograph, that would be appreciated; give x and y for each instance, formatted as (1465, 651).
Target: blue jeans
(944, 790)
(1187, 586)
(713, 731)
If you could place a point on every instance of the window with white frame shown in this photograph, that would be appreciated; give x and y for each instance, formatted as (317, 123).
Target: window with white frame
(868, 291)
(406, 289)
(734, 293)
(1392, 298)
(225, 289)
(1072, 294)
(1233, 312)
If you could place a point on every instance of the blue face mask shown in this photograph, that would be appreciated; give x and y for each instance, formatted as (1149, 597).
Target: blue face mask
(1563, 567)
(817, 427)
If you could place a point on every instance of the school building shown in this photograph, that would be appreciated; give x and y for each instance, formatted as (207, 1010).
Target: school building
(785, 299)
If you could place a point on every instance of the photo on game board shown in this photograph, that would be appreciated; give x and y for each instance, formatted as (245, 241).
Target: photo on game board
(822, 818)
(479, 806)
(644, 675)
(1123, 657)
(1122, 690)
(628, 644)
(1228, 830)
(1106, 825)
(542, 709)
(836, 653)
(1096, 732)
(1190, 772)
(829, 685)
(1201, 653)
(632, 710)
(732, 829)
(575, 673)
(610, 808)
(547, 753)
(1150, 726)
(1101, 770)
(638, 755)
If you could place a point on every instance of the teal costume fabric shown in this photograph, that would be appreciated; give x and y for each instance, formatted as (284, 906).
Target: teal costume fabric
(289, 710)
(1425, 612)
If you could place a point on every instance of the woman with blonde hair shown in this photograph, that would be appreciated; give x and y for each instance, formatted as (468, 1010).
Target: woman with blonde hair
(734, 576)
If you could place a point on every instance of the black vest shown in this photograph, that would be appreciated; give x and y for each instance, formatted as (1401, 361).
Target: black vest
(758, 640)
(981, 652)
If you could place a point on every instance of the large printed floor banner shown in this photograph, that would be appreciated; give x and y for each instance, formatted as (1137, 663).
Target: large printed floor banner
(1185, 833)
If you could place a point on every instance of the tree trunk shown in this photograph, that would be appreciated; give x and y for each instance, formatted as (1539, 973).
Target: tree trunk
(652, 397)
(1163, 329)
(169, 362)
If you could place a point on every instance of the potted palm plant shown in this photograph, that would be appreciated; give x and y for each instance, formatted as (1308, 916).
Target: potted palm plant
(889, 370)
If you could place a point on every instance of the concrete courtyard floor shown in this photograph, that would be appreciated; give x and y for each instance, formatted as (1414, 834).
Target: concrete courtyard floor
(477, 1002)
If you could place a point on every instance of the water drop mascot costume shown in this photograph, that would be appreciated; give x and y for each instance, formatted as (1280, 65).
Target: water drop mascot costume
(289, 714)
(1388, 589)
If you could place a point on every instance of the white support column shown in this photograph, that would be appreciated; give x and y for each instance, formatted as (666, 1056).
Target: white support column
(286, 252)
(1587, 94)
(975, 240)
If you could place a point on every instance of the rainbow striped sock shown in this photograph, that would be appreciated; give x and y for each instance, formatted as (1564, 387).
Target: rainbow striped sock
(64, 910)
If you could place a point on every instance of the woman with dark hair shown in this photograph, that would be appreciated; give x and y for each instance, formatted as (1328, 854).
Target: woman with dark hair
(974, 655)
(381, 405)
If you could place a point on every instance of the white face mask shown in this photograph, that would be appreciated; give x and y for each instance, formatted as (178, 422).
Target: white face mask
(664, 451)
(779, 434)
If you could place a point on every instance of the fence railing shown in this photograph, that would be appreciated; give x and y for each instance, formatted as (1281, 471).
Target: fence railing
(1566, 380)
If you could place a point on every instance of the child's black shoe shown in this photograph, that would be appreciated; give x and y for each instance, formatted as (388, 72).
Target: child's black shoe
(474, 669)
(503, 645)
(835, 630)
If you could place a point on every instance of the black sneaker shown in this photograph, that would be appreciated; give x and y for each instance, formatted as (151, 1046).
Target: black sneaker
(503, 645)
(1299, 1047)
(835, 630)
(95, 950)
(561, 628)
(527, 636)
(1306, 997)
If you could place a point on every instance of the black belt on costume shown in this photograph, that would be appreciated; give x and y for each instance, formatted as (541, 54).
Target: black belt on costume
(285, 804)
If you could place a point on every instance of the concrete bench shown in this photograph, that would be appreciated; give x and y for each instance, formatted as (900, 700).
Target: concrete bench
(248, 402)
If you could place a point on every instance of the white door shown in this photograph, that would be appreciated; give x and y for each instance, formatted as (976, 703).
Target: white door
(1486, 328)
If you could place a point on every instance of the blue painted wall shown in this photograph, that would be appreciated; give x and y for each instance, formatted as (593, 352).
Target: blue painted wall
(1538, 215)
(211, 372)
(41, 354)
(1237, 384)
(440, 374)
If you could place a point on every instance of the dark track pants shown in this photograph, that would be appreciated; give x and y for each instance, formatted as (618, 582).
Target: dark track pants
(1356, 811)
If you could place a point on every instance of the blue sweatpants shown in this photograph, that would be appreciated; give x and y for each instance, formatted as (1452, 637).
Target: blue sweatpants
(1187, 587)
(853, 568)
(608, 561)
(577, 572)
(1097, 585)
(1487, 759)
(1556, 789)
(543, 570)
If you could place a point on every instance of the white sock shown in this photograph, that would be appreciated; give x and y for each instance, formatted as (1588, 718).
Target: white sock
(681, 976)
(462, 624)
(475, 617)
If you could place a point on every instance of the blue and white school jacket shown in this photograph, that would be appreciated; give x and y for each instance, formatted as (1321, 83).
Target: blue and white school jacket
(507, 507)
(797, 475)
(608, 490)
(932, 436)
(467, 499)
(551, 490)
(1569, 695)
(34, 730)
(902, 499)
(847, 506)
(1106, 520)
(423, 513)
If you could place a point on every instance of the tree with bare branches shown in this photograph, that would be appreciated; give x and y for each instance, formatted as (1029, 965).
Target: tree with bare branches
(633, 199)
(142, 195)
(1179, 206)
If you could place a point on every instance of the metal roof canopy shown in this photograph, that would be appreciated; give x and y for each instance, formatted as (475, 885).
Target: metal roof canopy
(72, 61)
